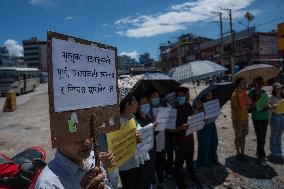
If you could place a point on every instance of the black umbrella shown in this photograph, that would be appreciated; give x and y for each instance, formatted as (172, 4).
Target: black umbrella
(142, 85)
(221, 91)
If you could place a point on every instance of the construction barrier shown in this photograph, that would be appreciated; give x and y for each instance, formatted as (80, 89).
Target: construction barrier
(10, 103)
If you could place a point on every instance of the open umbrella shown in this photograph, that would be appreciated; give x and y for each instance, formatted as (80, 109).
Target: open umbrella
(249, 73)
(197, 70)
(221, 91)
(141, 85)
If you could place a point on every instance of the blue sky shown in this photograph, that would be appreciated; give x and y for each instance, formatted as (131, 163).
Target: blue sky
(133, 26)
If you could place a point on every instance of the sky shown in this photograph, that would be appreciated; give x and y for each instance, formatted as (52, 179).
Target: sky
(133, 26)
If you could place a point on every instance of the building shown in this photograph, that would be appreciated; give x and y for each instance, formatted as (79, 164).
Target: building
(126, 63)
(249, 47)
(7, 60)
(35, 53)
(146, 60)
(185, 49)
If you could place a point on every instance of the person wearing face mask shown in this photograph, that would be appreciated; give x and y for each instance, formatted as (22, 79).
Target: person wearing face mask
(148, 169)
(259, 116)
(184, 145)
(207, 139)
(159, 138)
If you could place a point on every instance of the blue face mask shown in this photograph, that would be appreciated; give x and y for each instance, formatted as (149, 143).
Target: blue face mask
(155, 101)
(145, 108)
(181, 100)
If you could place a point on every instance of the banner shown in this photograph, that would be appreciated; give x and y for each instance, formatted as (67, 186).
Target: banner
(122, 143)
(212, 109)
(166, 119)
(195, 122)
(147, 143)
(280, 107)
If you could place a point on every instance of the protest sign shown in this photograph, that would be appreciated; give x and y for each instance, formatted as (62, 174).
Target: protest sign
(212, 109)
(262, 102)
(195, 122)
(82, 83)
(122, 143)
(160, 141)
(280, 107)
(166, 118)
(147, 143)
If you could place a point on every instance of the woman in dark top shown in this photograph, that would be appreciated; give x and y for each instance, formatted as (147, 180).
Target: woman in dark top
(148, 169)
(207, 139)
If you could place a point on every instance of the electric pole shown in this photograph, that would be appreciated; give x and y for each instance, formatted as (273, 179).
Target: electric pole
(221, 34)
(232, 40)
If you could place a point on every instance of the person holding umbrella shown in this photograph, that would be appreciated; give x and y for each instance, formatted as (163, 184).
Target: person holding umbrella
(277, 121)
(260, 116)
(240, 104)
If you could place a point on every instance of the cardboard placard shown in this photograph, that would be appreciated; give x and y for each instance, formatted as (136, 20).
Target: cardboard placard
(166, 118)
(147, 143)
(195, 122)
(122, 143)
(280, 107)
(262, 102)
(82, 84)
(212, 109)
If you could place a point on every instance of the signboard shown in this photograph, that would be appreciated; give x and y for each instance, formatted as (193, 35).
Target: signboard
(212, 109)
(280, 107)
(195, 122)
(122, 143)
(166, 118)
(82, 85)
(147, 143)
(262, 102)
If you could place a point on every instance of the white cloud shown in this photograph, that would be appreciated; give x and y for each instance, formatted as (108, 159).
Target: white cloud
(13, 48)
(40, 2)
(68, 18)
(178, 17)
(134, 54)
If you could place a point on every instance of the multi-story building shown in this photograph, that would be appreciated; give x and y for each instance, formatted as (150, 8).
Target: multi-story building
(249, 47)
(35, 53)
(7, 60)
(185, 49)
(146, 60)
(126, 63)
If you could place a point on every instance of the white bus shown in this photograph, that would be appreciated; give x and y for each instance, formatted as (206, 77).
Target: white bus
(20, 80)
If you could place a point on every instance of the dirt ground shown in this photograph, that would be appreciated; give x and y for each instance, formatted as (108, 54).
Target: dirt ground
(28, 125)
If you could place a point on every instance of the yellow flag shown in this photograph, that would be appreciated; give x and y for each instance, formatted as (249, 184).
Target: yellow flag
(122, 143)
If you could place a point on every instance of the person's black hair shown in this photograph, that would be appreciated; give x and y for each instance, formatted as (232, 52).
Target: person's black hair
(153, 91)
(274, 92)
(203, 98)
(127, 99)
(182, 90)
(238, 82)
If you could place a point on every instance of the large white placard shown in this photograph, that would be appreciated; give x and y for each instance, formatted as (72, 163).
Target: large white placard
(166, 118)
(147, 135)
(84, 76)
(195, 122)
(212, 109)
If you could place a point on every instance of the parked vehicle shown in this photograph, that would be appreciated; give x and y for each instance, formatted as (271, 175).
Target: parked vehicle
(22, 170)
(20, 80)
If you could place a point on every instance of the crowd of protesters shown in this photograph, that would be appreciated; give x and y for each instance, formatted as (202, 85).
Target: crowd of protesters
(152, 169)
